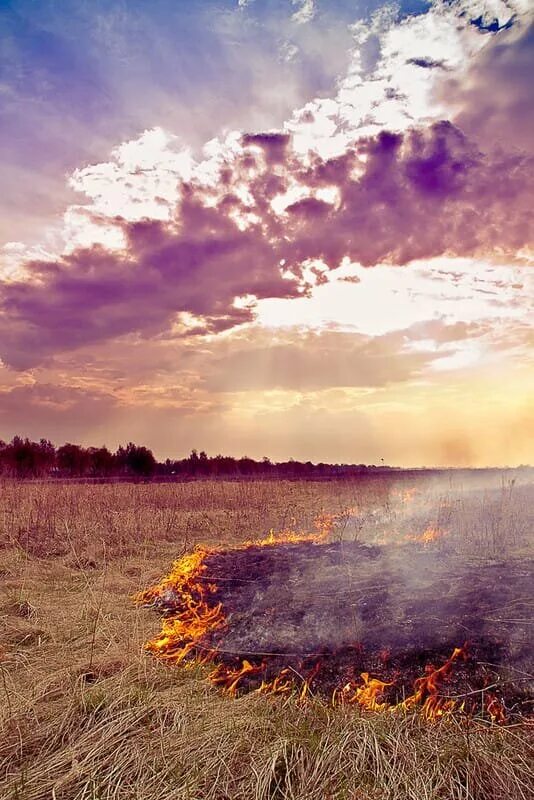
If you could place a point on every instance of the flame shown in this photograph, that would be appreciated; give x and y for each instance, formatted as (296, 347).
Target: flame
(426, 689)
(406, 496)
(495, 709)
(425, 698)
(287, 536)
(229, 679)
(367, 695)
(430, 535)
(283, 683)
(184, 636)
(306, 683)
(324, 525)
(183, 631)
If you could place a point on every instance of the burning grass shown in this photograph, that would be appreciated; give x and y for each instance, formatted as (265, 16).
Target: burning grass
(352, 623)
(86, 715)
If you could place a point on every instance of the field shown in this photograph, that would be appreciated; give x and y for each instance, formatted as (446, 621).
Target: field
(87, 713)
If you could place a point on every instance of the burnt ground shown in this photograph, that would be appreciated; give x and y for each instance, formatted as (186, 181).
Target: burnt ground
(389, 611)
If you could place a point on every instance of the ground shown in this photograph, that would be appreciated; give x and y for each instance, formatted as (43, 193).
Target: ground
(87, 713)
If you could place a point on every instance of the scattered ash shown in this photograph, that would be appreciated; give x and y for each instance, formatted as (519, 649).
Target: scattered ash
(339, 609)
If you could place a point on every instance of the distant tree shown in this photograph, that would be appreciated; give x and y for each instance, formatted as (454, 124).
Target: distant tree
(192, 463)
(102, 463)
(73, 460)
(136, 460)
(23, 458)
(27, 459)
(204, 463)
(246, 466)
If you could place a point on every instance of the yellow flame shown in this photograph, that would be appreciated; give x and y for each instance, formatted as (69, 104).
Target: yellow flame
(184, 634)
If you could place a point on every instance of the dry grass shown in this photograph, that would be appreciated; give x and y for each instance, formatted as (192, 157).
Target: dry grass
(86, 714)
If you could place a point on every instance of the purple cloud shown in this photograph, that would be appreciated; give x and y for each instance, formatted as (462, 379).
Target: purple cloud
(494, 99)
(401, 197)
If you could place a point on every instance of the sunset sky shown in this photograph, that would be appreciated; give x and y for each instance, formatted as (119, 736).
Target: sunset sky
(293, 228)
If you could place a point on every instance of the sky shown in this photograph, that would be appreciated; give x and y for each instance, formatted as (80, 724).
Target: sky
(283, 228)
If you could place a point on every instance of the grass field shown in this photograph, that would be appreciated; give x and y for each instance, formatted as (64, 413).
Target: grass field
(85, 713)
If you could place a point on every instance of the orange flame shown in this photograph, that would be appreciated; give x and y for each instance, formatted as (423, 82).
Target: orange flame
(366, 696)
(406, 496)
(430, 535)
(229, 679)
(283, 683)
(426, 689)
(182, 632)
(425, 698)
(495, 709)
(324, 525)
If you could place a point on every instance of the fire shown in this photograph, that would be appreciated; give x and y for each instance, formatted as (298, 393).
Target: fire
(324, 525)
(367, 695)
(193, 616)
(406, 496)
(426, 689)
(425, 697)
(287, 536)
(495, 709)
(283, 683)
(181, 633)
(229, 679)
(430, 535)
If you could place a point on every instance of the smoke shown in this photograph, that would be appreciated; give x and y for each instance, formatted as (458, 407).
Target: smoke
(306, 599)
(344, 607)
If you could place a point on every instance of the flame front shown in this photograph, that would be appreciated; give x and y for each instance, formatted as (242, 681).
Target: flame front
(426, 689)
(184, 631)
(425, 698)
(324, 525)
(495, 709)
(185, 635)
(229, 679)
(367, 695)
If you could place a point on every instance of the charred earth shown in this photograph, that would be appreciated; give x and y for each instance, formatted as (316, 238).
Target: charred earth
(381, 626)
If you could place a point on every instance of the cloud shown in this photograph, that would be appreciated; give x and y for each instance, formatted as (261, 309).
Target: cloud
(493, 100)
(305, 12)
(427, 63)
(393, 198)
(307, 361)
(174, 396)
(198, 67)
(168, 309)
(55, 411)
(421, 194)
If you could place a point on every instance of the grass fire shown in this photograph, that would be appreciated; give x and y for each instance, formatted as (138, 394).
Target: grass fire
(376, 627)
(347, 639)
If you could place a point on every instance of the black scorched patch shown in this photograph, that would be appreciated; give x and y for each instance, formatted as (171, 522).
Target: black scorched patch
(343, 608)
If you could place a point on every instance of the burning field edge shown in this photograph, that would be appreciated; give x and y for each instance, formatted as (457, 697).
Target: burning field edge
(194, 624)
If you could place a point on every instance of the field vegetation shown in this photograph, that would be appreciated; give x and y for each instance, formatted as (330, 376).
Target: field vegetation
(86, 714)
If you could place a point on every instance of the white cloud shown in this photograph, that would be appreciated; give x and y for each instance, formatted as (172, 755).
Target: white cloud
(141, 180)
(385, 86)
(387, 83)
(383, 299)
(305, 13)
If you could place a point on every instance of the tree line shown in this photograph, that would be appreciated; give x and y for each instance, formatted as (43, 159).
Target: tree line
(23, 458)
